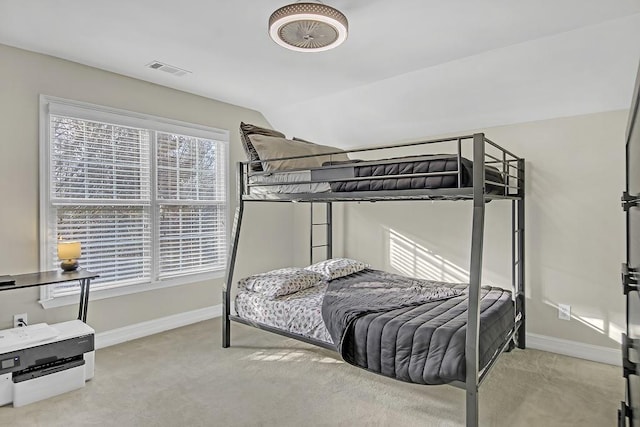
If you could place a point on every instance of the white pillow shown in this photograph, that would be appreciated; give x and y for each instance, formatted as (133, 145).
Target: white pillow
(337, 267)
(281, 282)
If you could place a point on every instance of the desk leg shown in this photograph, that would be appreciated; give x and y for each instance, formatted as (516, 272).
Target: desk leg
(86, 300)
(85, 284)
(83, 291)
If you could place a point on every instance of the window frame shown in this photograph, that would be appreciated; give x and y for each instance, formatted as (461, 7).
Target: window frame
(88, 111)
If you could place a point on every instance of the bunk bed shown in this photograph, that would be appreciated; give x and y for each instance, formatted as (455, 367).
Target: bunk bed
(488, 320)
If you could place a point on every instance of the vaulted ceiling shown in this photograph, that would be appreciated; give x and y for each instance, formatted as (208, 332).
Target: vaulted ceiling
(409, 69)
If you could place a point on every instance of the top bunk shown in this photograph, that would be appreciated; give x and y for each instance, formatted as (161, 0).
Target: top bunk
(296, 170)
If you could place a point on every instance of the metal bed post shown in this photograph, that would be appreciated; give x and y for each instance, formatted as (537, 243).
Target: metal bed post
(311, 230)
(473, 312)
(329, 213)
(521, 297)
(233, 250)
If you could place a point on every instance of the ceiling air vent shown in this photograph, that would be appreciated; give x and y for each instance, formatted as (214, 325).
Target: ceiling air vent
(178, 72)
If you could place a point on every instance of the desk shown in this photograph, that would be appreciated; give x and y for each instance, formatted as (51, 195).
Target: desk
(51, 277)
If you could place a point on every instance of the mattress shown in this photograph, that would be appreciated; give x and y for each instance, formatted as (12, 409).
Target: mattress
(298, 313)
(397, 170)
(350, 176)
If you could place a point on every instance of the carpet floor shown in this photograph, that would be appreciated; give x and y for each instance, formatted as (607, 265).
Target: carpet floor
(184, 378)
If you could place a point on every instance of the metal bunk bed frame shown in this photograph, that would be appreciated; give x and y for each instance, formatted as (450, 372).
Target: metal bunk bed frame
(514, 190)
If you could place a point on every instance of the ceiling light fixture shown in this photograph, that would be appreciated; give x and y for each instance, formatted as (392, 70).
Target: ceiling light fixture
(308, 27)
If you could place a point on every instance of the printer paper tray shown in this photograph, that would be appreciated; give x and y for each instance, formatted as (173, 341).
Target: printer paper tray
(35, 389)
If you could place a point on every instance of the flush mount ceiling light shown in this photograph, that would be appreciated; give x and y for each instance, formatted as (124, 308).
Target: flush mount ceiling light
(308, 27)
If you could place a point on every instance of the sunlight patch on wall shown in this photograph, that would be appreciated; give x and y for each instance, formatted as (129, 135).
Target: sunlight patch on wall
(610, 329)
(598, 324)
(615, 332)
(288, 356)
(415, 260)
(593, 322)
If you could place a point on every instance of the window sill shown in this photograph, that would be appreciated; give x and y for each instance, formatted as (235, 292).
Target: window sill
(99, 294)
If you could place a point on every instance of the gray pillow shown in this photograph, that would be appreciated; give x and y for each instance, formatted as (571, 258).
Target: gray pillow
(269, 147)
(246, 130)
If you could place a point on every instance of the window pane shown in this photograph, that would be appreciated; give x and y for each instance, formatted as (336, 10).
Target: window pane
(188, 168)
(192, 238)
(92, 160)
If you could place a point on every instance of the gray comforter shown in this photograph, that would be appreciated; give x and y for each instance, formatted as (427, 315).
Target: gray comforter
(408, 329)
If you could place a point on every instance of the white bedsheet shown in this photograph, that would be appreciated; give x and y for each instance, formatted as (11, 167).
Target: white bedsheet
(288, 186)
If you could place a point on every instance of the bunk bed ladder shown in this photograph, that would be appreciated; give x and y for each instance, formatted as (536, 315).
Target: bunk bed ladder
(328, 224)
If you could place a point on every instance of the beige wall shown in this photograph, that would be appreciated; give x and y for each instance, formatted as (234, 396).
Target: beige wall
(574, 226)
(23, 77)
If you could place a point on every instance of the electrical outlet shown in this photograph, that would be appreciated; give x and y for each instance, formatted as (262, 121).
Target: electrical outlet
(564, 312)
(20, 320)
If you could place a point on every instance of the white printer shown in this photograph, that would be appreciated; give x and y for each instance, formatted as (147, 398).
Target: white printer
(40, 361)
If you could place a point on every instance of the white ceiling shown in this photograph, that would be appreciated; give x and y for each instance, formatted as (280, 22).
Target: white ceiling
(409, 69)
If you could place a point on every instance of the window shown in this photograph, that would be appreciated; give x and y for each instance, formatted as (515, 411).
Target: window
(146, 197)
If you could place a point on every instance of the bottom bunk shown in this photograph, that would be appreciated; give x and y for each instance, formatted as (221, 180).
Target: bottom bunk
(404, 328)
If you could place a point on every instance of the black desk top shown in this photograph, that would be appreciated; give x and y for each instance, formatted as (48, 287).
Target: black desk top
(46, 278)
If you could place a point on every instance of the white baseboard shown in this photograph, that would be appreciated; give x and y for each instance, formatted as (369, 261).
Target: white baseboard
(538, 342)
(143, 329)
(580, 350)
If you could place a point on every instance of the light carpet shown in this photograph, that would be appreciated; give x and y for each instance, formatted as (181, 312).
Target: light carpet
(184, 378)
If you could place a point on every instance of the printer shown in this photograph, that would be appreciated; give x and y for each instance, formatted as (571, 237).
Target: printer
(39, 361)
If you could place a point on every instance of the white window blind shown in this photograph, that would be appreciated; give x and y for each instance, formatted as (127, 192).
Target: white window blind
(147, 204)
(191, 204)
